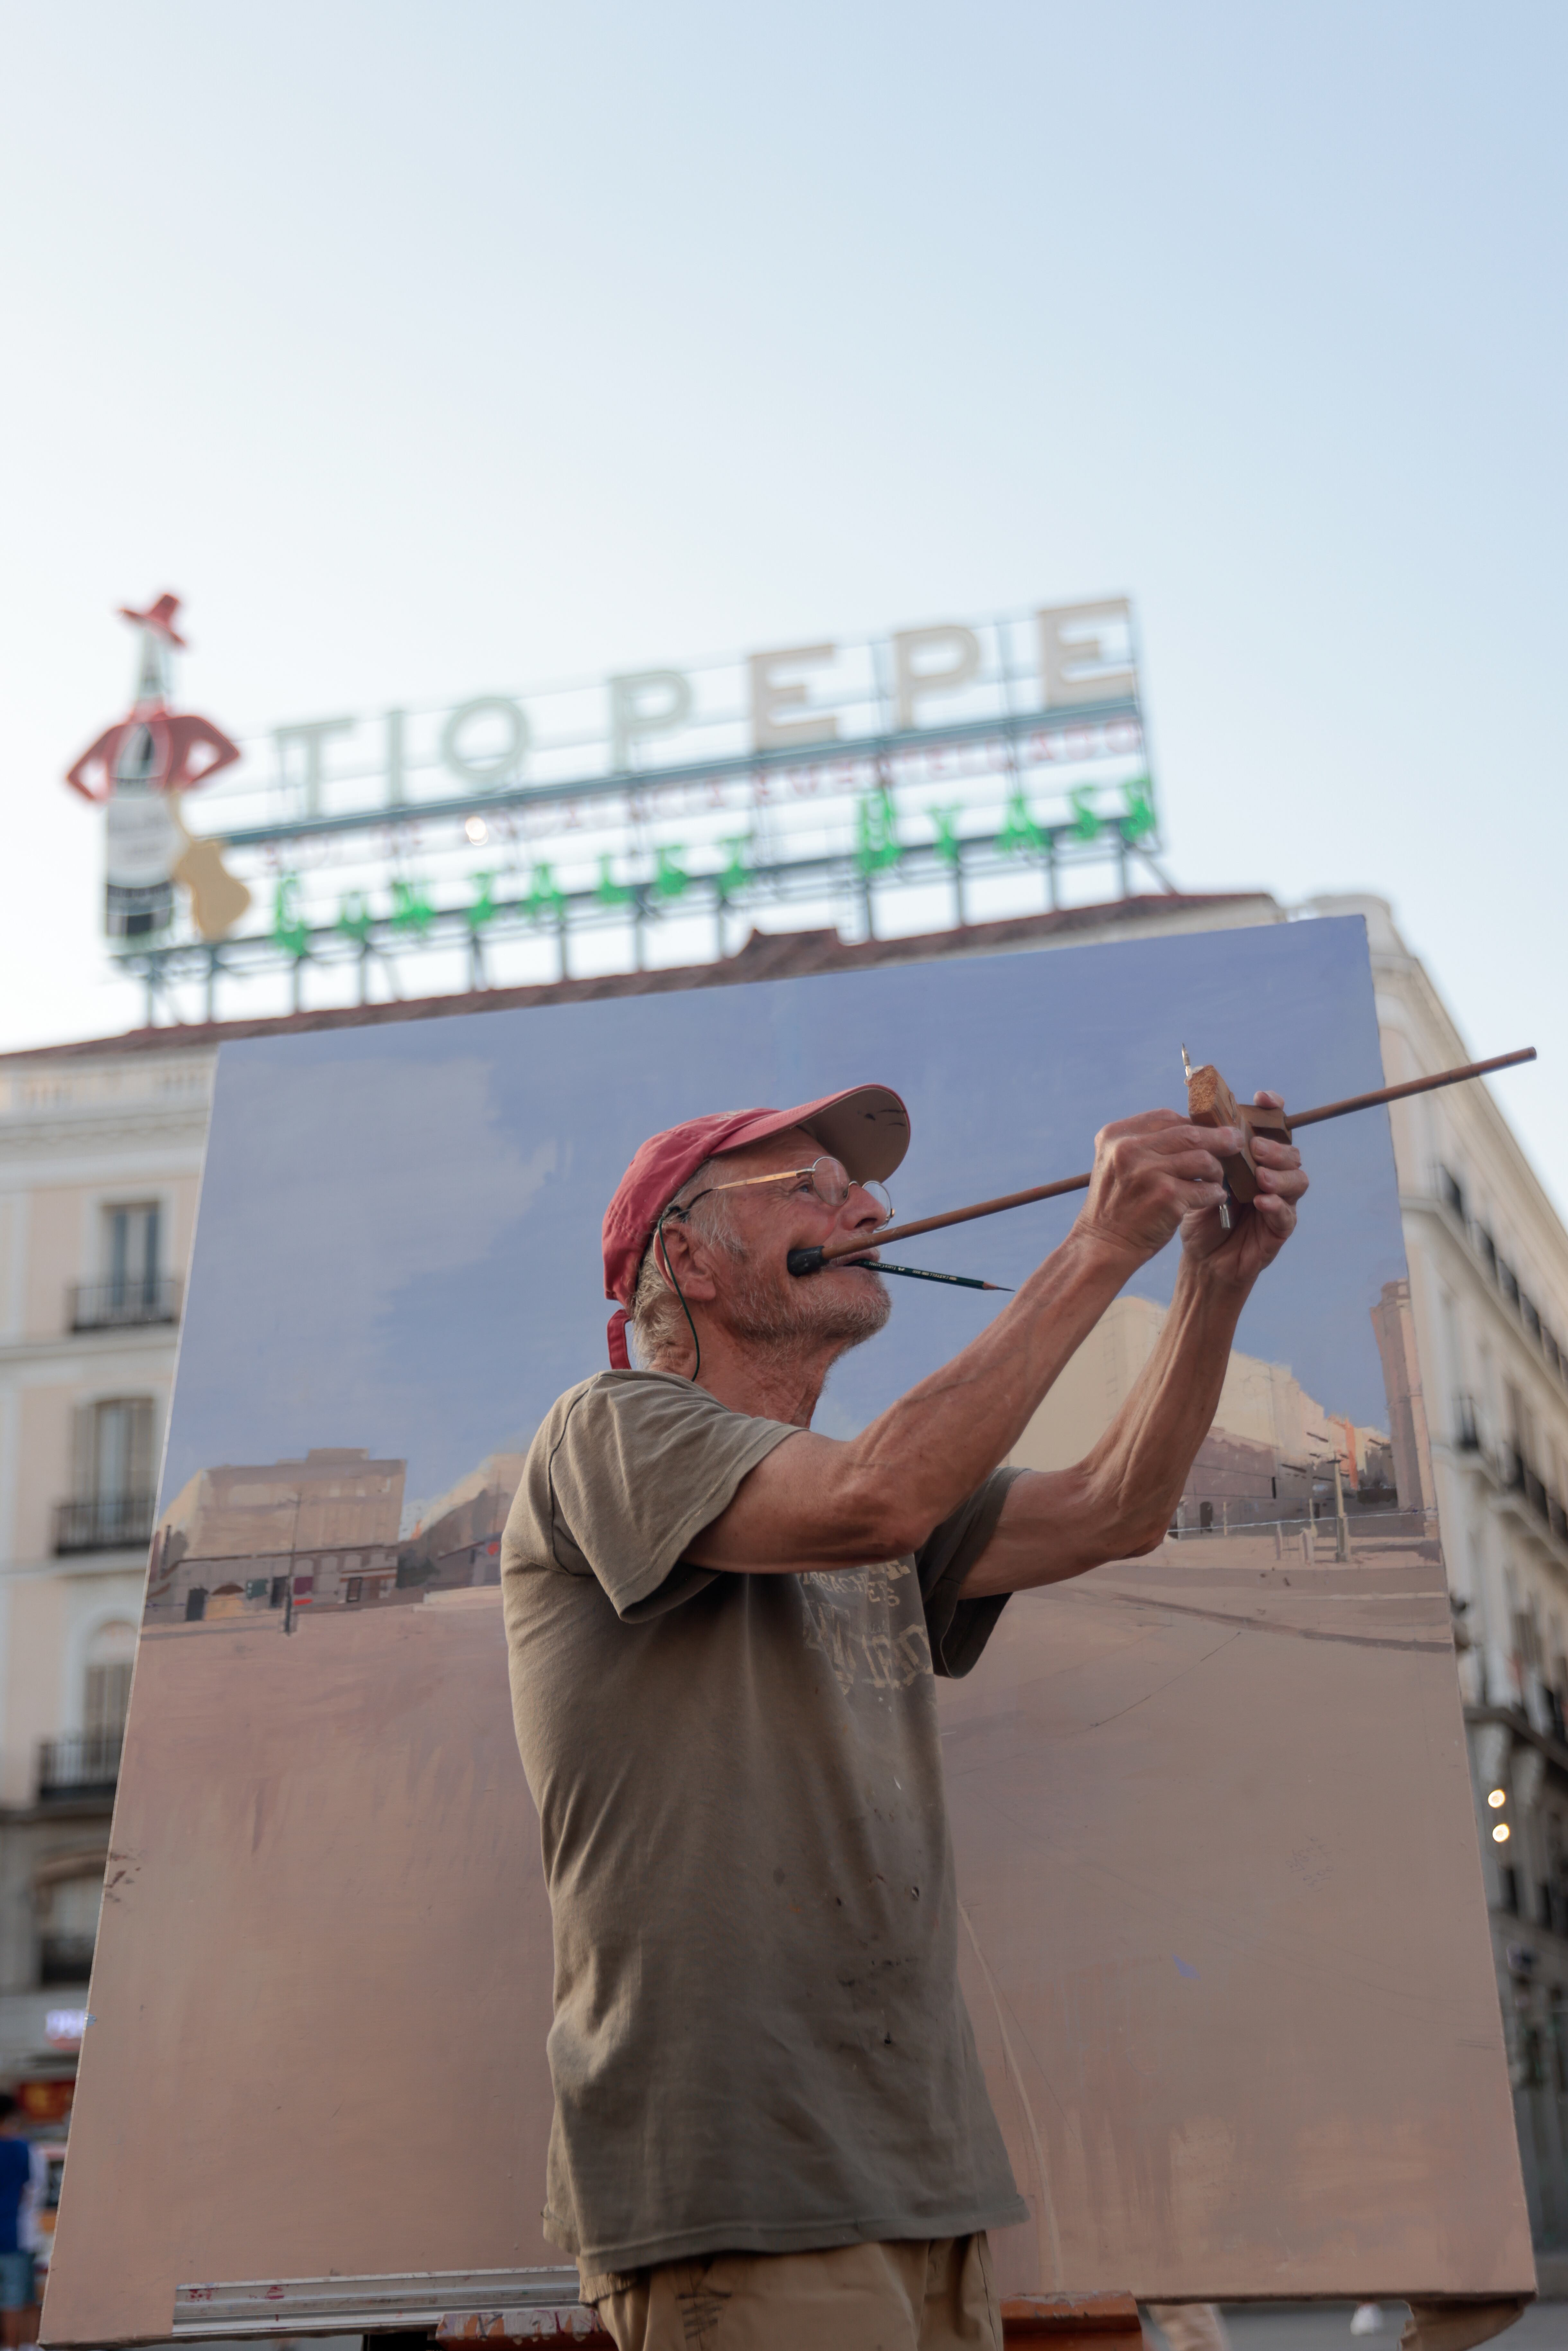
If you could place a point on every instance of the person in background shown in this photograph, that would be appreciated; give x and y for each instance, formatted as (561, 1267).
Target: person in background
(19, 2307)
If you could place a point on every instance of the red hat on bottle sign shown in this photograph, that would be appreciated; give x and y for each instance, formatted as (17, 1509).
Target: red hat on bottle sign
(866, 1126)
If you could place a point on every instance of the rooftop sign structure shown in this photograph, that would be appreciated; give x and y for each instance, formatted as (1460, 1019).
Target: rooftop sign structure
(528, 835)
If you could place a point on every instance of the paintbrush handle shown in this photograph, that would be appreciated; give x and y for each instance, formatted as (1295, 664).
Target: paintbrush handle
(1411, 1086)
(833, 1250)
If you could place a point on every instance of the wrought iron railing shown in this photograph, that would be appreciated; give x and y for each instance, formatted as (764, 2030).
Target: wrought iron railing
(1519, 1478)
(115, 1305)
(79, 1763)
(104, 1522)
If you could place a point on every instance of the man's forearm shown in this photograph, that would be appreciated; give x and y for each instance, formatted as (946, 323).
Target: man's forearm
(1140, 1465)
(1118, 1501)
(947, 1434)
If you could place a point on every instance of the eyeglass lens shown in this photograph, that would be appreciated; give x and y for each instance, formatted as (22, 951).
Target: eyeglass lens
(831, 1182)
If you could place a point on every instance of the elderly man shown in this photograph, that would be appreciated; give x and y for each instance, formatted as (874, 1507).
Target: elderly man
(771, 2128)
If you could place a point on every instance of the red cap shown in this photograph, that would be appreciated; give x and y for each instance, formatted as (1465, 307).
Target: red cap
(866, 1126)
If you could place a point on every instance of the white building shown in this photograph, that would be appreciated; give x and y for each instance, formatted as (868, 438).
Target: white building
(1489, 1282)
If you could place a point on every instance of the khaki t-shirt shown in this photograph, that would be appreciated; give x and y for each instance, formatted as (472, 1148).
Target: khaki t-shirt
(759, 2043)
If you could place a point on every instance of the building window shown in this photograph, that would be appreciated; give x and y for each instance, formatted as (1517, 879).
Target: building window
(133, 1252)
(111, 1506)
(131, 1285)
(105, 1694)
(68, 1908)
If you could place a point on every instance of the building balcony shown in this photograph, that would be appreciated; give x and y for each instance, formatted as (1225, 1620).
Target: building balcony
(78, 1765)
(104, 1523)
(124, 1305)
(1541, 1503)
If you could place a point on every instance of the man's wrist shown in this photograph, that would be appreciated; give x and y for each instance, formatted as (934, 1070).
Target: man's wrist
(1097, 1252)
(1213, 1283)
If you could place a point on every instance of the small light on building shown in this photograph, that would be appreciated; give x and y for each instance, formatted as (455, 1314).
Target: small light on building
(1501, 1834)
(478, 829)
(1497, 1796)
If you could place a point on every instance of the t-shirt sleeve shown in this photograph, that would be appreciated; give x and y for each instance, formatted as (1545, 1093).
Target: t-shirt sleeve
(641, 1466)
(959, 1629)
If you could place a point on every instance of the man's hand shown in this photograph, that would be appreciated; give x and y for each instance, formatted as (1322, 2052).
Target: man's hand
(1151, 1175)
(1257, 1233)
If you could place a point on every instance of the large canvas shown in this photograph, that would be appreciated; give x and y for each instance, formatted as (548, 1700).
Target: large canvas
(1223, 1935)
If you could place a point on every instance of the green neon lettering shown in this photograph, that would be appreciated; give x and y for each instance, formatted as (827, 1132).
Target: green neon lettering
(1138, 822)
(1085, 823)
(946, 842)
(354, 916)
(412, 909)
(483, 909)
(736, 873)
(1020, 832)
(288, 927)
(876, 832)
(544, 897)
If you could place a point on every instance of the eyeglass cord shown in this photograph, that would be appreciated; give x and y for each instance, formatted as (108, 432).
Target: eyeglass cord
(675, 1285)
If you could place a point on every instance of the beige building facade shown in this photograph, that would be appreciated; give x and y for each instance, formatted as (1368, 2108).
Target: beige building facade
(100, 1163)
(1268, 1460)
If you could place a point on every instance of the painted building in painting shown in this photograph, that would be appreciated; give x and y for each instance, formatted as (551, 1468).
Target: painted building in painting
(244, 1540)
(1268, 1459)
(456, 1539)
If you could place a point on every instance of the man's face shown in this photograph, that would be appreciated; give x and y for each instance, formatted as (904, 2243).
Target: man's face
(757, 1295)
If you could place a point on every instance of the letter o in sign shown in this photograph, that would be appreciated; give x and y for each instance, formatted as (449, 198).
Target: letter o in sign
(500, 761)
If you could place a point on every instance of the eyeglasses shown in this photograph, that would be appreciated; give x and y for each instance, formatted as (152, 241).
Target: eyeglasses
(828, 1179)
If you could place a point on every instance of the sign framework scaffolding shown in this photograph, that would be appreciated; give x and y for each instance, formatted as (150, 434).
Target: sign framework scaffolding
(863, 874)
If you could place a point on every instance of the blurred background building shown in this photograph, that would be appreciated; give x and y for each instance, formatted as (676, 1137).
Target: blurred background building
(100, 1148)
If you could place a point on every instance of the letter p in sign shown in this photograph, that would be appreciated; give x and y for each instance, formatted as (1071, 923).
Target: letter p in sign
(645, 701)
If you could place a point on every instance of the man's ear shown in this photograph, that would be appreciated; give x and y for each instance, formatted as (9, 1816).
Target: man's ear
(680, 1252)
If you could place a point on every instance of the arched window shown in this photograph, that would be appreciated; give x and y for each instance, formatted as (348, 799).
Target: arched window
(107, 1693)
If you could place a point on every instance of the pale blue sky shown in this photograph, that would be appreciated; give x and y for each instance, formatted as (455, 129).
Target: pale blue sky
(428, 351)
(402, 1222)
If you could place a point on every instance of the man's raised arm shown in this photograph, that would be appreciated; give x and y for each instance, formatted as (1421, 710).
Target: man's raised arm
(818, 1502)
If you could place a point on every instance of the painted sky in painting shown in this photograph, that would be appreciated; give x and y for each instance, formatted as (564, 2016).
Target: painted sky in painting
(399, 1237)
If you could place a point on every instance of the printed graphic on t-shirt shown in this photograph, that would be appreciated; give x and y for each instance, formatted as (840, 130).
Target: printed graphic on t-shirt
(850, 1617)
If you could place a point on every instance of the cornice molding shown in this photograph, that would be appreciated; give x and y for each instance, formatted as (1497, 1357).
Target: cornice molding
(101, 1127)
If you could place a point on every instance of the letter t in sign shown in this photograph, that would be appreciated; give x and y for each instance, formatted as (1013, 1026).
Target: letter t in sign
(311, 734)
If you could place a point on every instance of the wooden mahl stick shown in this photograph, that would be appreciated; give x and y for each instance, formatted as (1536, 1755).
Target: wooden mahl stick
(1210, 1102)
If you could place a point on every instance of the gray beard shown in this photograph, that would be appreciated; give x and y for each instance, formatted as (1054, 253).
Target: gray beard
(779, 1311)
